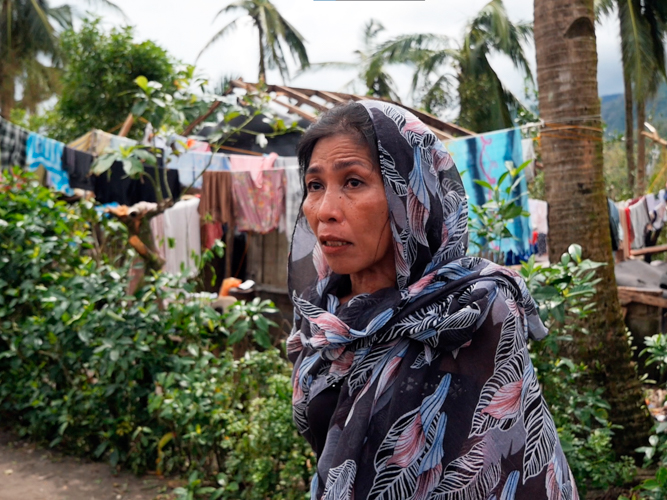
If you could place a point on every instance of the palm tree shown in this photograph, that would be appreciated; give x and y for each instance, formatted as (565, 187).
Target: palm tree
(643, 26)
(568, 94)
(28, 32)
(490, 31)
(371, 67)
(485, 103)
(273, 32)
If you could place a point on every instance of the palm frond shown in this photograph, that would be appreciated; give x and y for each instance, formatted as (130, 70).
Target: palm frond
(636, 47)
(604, 8)
(108, 4)
(229, 27)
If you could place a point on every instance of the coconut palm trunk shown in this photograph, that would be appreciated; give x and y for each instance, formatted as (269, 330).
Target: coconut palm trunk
(629, 129)
(641, 148)
(567, 79)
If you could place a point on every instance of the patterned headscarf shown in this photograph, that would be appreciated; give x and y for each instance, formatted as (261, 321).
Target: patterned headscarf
(425, 390)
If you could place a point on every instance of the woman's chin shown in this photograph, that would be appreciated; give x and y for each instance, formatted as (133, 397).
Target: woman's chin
(343, 266)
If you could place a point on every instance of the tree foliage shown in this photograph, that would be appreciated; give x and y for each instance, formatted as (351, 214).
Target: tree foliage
(99, 78)
(370, 63)
(485, 103)
(275, 34)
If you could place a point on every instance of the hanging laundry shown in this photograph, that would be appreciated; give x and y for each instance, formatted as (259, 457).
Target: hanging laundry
(659, 215)
(528, 148)
(181, 223)
(97, 142)
(216, 206)
(211, 232)
(190, 165)
(484, 157)
(539, 210)
(614, 225)
(12, 145)
(77, 165)
(115, 185)
(216, 198)
(293, 191)
(198, 146)
(48, 153)
(640, 221)
(157, 229)
(258, 209)
(253, 164)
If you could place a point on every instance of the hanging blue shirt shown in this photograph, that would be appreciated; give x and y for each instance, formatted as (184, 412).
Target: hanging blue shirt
(47, 152)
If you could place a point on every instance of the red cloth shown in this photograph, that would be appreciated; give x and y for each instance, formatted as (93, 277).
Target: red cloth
(211, 232)
(631, 233)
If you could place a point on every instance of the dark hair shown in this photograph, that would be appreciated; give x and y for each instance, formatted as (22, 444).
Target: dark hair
(350, 118)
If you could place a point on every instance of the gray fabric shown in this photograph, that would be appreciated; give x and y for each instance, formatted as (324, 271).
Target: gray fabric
(640, 219)
(12, 145)
(293, 192)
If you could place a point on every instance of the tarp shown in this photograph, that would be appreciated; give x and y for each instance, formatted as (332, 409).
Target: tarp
(485, 157)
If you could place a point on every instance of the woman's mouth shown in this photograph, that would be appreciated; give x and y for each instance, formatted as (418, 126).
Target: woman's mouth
(332, 245)
(335, 244)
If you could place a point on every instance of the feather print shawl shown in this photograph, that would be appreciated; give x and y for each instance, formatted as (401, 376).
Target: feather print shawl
(426, 391)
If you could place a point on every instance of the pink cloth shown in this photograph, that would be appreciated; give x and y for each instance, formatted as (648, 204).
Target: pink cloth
(253, 164)
(258, 209)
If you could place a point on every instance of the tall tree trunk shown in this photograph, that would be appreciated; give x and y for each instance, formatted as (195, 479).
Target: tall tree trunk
(262, 62)
(567, 79)
(629, 130)
(7, 90)
(641, 148)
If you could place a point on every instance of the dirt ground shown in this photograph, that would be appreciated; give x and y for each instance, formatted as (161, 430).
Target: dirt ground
(28, 472)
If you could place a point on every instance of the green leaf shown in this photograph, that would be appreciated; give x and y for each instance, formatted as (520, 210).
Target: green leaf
(558, 312)
(263, 339)
(146, 156)
(575, 252)
(483, 184)
(103, 163)
(142, 82)
(132, 167)
(139, 108)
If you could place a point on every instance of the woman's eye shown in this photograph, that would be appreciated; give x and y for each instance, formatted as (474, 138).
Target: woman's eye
(354, 183)
(314, 186)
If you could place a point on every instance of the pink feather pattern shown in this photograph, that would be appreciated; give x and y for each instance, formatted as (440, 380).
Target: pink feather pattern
(506, 401)
(410, 444)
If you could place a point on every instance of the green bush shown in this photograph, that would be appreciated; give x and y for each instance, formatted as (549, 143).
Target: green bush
(565, 293)
(98, 372)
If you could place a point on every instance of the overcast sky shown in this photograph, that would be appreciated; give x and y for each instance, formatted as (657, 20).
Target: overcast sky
(332, 31)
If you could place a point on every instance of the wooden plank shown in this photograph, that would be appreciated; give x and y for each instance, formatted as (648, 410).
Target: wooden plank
(332, 97)
(296, 110)
(651, 297)
(282, 257)
(127, 125)
(300, 97)
(254, 267)
(203, 117)
(649, 250)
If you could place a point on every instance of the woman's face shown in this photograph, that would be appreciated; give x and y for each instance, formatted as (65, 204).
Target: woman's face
(347, 209)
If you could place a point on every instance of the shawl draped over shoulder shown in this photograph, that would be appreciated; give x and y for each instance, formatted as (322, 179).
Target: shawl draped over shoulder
(426, 390)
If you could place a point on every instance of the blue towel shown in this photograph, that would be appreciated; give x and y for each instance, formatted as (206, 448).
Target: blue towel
(47, 152)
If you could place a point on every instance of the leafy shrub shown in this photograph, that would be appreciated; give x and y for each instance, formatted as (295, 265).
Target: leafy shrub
(233, 419)
(87, 367)
(565, 293)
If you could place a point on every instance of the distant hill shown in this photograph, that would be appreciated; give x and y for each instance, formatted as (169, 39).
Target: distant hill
(613, 112)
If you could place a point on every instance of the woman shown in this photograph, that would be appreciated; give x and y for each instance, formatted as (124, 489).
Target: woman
(412, 378)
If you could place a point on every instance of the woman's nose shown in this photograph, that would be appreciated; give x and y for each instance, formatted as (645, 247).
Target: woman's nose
(330, 209)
